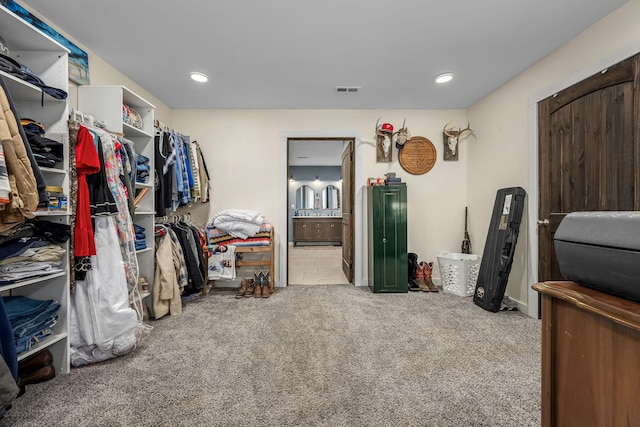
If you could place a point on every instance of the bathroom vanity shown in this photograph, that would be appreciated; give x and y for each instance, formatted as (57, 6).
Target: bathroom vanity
(317, 230)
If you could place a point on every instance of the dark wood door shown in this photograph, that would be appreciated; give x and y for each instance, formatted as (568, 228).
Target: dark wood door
(348, 174)
(588, 152)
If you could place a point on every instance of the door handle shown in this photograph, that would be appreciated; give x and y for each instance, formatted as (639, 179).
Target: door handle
(543, 222)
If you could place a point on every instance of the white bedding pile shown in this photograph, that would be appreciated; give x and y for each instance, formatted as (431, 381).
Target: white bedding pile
(237, 222)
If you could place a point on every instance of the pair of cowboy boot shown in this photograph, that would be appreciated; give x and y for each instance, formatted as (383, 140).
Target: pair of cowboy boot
(423, 277)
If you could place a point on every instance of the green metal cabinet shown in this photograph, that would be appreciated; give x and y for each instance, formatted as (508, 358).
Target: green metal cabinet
(387, 238)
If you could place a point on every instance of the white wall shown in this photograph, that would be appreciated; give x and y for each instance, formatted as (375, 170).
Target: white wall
(247, 162)
(504, 124)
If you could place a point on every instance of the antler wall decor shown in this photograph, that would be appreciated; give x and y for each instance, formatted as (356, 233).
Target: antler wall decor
(451, 138)
(384, 133)
(402, 135)
(386, 137)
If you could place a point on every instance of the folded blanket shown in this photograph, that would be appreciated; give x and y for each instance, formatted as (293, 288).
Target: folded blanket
(217, 237)
(238, 223)
(222, 265)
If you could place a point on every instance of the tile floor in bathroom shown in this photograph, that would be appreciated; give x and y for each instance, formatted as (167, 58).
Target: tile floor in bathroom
(316, 265)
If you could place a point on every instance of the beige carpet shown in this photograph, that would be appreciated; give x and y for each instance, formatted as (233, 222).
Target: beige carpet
(309, 356)
(316, 265)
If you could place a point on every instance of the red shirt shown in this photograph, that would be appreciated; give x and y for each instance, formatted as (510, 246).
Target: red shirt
(87, 162)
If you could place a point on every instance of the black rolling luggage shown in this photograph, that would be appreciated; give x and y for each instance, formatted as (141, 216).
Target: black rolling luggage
(497, 256)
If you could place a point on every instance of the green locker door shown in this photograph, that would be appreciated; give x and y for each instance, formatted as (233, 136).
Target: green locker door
(387, 238)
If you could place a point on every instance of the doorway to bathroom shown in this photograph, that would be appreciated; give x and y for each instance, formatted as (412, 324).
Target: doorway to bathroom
(320, 211)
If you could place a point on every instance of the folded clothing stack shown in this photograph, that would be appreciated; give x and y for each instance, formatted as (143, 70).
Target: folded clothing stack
(31, 320)
(46, 151)
(29, 256)
(142, 168)
(11, 66)
(131, 117)
(141, 237)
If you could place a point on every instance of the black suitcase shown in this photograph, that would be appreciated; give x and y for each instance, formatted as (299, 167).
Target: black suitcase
(601, 250)
(497, 256)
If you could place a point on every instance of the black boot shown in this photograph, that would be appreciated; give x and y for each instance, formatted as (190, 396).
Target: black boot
(413, 269)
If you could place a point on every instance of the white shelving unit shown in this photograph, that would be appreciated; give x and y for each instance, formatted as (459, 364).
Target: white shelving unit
(105, 104)
(49, 60)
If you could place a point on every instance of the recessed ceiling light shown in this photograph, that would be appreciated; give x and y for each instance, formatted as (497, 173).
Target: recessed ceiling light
(199, 77)
(443, 78)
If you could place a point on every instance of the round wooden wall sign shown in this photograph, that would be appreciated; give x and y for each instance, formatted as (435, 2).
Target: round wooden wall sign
(417, 156)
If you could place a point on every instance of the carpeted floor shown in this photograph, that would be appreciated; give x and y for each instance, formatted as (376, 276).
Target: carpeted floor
(309, 356)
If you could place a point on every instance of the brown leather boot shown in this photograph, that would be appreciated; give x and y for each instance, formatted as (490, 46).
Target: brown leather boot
(39, 375)
(422, 285)
(266, 285)
(257, 290)
(428, 270)
(251, 284)
(37, 361)
(243, 289)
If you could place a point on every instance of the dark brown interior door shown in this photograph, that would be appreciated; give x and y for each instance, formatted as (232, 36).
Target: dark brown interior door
(588, 152)
(347, 211)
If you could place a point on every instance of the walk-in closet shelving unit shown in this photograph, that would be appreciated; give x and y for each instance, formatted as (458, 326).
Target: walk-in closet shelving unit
(105, 104)
(49, 60)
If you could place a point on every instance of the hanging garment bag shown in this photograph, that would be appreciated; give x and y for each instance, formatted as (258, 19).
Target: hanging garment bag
(499, 248)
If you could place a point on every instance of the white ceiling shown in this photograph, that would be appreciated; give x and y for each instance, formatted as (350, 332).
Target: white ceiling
(293, 53)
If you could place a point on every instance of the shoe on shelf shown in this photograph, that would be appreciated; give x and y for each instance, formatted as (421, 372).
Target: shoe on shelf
(243, 289)
(35, 362)
(42, 374)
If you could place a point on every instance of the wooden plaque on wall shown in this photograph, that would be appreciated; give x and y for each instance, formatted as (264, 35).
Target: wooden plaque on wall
(417, 156)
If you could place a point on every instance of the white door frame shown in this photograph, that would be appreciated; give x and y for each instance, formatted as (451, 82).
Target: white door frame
(358, 185)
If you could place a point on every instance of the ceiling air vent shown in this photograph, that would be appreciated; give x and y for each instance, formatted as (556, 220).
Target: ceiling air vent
(347, 89)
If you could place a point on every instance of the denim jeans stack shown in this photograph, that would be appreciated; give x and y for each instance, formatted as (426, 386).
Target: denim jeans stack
(141, 237)
(31, 320)
(142, 168)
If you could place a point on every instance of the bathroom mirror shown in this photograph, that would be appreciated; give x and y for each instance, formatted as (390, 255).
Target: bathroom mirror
(304, 197)
(330, 197)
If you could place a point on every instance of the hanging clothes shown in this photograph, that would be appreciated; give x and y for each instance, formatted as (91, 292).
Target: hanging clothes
(87, 162)
(195, 169)
(101, 199)
(102, 324)
(124, 222)
(163, 169)
(166, 290)
(204, 174)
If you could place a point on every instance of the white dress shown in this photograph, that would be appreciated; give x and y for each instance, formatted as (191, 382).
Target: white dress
(102, 323)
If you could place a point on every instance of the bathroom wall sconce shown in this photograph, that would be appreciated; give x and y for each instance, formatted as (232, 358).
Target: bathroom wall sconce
(317, 179)
(291, 178)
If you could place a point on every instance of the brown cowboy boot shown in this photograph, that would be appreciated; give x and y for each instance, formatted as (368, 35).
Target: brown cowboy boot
(428, 270)
(250, 288)
(266, 285)
(243, 289)
(420, 279)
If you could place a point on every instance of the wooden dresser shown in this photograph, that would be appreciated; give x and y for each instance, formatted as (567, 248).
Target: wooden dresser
(590, 357)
